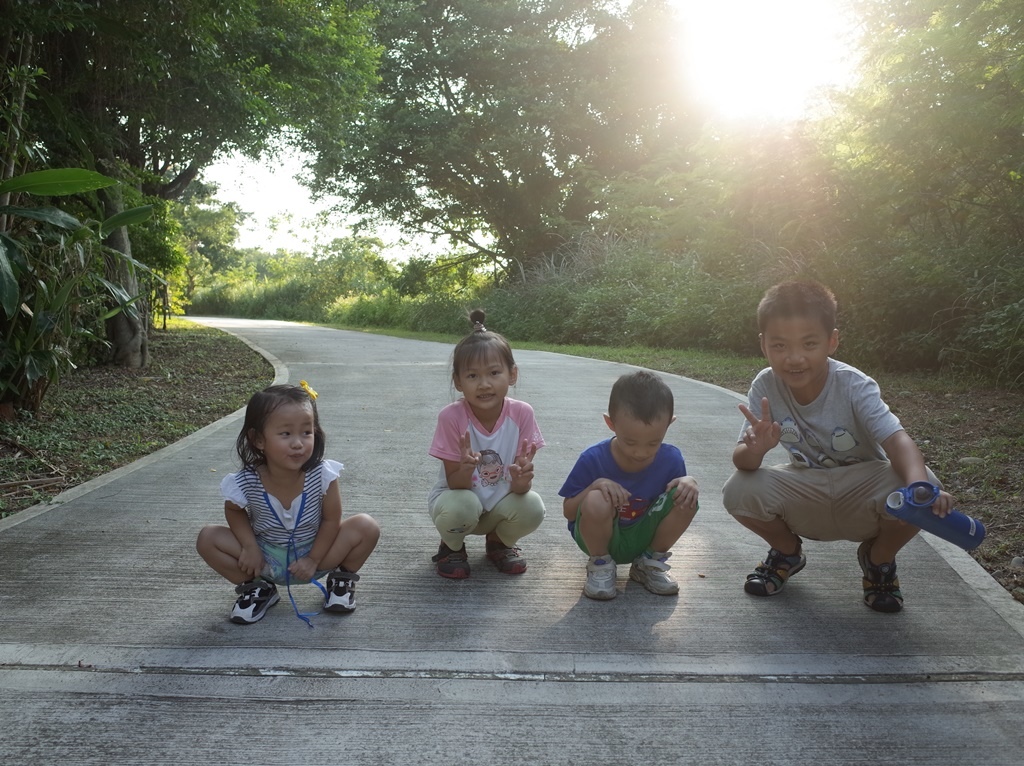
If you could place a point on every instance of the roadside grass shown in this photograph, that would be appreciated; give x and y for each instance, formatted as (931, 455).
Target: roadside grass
(972, 433)
(100, 418)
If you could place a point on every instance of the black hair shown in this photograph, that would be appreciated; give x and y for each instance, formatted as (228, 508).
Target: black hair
(643, 395)
(803, 299)
(259, 408)
(479, 344)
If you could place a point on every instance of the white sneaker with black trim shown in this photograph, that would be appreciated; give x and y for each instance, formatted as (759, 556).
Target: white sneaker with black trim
(341, 591)
(255, 597)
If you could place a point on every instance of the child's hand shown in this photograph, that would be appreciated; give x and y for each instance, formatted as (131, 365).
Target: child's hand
(686, 492)
(943, 504)
(466, 448)
(303, 569)
(613, 493)
(250, 561)
(763, 433)
(521, 471)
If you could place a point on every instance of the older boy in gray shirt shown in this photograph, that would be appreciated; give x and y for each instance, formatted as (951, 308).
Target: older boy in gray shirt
(847, 451)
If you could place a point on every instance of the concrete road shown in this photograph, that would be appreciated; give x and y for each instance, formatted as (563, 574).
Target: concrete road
(115, 647)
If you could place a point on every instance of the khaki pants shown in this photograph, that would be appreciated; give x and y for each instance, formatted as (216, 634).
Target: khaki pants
(844, 503)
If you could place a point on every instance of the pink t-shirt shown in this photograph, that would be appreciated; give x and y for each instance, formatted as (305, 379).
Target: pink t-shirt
(497, 448)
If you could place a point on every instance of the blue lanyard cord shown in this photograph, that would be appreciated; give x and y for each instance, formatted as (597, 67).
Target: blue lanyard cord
(292, 554)
(304, 616)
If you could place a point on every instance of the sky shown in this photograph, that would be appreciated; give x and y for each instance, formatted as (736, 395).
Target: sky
(278, 205)
(747, 59)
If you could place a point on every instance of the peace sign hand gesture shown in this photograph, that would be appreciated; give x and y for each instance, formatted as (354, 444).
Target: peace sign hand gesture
(521, 470)
(467, 456)
(763, 434)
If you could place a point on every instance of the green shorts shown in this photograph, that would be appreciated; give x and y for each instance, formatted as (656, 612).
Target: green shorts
(629, 542)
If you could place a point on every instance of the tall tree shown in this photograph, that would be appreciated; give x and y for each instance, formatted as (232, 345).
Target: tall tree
(934, 182)
(153, 92)
(498, 124)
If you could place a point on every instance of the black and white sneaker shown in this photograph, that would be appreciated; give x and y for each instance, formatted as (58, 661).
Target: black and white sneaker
(255, 597)
(341, 591)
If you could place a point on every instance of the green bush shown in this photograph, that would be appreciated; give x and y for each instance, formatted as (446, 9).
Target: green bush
(440, 313)
(993, 344)
(385, 310)
(531, 311)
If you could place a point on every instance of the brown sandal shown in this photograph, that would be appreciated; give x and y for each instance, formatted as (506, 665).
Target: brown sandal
(881, 585)
(770, 576)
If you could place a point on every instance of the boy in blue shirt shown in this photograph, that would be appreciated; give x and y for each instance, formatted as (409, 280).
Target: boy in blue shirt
(847, 451)
(628, 498)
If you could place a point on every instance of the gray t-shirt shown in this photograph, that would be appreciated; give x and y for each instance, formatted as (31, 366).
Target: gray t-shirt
(846, 424)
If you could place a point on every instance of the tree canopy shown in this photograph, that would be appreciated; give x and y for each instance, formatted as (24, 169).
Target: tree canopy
(164, 88)
(150, 93)
(558, 140)
(499, 125)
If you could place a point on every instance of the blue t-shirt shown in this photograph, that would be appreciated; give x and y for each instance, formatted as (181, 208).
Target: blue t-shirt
(644, 487)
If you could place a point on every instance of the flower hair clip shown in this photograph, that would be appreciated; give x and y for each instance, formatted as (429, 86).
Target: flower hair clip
(306, 387)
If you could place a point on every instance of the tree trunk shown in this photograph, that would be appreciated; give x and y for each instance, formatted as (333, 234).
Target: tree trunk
(16, 110)
(127, 329)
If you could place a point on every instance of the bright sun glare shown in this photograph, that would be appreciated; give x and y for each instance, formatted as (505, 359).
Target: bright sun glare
(764, 58)
(745, 59)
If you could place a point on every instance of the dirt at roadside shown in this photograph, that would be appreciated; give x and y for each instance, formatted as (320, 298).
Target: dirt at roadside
(974, 441)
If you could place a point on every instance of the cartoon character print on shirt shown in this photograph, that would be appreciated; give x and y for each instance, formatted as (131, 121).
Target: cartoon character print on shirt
(799, 458)
(790, 432)
(790, 437)
(841, 440)
(629, 514)
(490, 468)
(844, 441)
(822, 458)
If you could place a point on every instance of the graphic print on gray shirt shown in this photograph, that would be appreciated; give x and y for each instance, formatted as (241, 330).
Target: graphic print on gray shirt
(845, 425)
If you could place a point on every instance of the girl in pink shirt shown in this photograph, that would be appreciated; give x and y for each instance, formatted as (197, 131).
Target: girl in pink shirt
(486, 442)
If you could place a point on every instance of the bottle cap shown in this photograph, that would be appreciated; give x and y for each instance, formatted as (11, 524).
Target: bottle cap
(924, 494)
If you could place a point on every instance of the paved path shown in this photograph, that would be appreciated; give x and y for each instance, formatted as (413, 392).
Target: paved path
(115, 645)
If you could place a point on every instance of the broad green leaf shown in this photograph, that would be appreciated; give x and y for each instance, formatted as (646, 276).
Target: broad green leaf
(47, 321)
(37, 365)
(45, 214)
(63, 293)
(8, 283)
(118, 255)
(125, 218)
(110, 314)
(56, 183)
(128, 308)
(117, 292)
(125, 302)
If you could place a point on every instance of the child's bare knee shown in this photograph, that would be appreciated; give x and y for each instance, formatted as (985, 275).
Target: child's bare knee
(597, 507)
(683, 512)
(205, 538)
(364, 525)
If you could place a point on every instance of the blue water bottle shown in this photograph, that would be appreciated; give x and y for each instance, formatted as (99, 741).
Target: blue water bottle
(913, 505)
